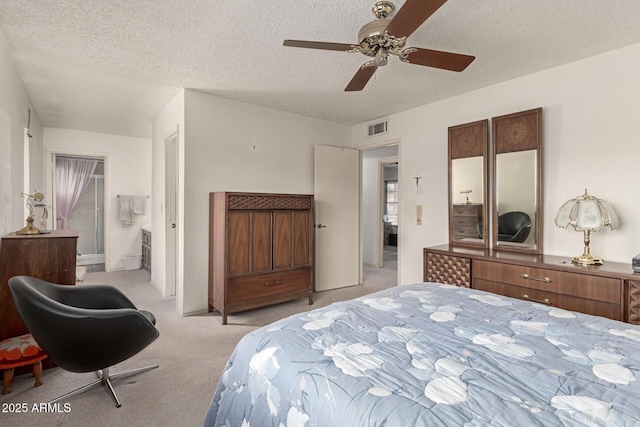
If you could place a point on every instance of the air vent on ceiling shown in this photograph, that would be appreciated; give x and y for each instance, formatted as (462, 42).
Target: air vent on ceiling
(378, 128)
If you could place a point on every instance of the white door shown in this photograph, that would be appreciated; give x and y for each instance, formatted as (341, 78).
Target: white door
(337, 211)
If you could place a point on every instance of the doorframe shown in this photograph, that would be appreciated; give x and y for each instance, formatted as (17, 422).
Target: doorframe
(26, 170)
(372, 146)
(171, 237)
(381, 203)
(51, 184)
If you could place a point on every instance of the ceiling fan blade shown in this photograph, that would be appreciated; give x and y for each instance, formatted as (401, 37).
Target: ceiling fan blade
(343, 47)
(361, 78)
(438, 59)
(411, 15)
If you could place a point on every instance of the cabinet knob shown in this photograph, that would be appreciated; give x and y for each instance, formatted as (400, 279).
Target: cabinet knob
(321, 226)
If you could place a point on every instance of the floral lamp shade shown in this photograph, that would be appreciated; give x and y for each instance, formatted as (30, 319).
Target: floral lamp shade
(587, 213)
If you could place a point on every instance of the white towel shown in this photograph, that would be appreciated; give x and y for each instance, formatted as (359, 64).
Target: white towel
(140, 205)
(126, 209)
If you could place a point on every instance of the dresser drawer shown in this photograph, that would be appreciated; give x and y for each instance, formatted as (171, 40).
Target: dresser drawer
(567, 302)
(242, 289)
(466, 210)
(466, 231)
(603, 289)
(465, 221)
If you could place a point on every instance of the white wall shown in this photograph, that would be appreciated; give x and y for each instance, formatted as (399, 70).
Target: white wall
(14, 107)
(590, 115)
(167, 122)
(127, 171)
(233, 146)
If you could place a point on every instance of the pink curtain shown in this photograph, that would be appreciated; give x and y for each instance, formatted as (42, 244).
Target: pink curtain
(72, 178)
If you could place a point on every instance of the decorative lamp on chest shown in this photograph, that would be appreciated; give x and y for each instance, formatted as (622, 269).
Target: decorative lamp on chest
(30, 198)
(587, 213)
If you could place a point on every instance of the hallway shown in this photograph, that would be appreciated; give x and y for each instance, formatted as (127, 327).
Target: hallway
(388, 274)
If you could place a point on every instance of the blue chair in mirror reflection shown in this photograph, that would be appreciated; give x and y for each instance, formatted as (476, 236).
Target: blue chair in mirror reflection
(512, 227)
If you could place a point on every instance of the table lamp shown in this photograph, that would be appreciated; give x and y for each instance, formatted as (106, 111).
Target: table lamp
(30, 198)
(587, 213)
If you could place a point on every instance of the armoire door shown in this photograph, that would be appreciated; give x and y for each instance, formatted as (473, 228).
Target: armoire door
(302, 229)
(249, 242)
(291, 239)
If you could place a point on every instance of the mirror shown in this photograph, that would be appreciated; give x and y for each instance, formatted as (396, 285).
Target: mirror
(468, 145)
(517, 169)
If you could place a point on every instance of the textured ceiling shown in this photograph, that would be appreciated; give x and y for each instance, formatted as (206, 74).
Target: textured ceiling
(109, 66)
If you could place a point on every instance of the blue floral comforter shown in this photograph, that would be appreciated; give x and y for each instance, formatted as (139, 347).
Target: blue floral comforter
(433, 355)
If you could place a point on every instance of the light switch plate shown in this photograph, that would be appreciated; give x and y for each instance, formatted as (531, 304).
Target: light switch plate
(419, 214)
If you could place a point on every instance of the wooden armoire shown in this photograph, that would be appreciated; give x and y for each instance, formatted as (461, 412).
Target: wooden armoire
(260, 250)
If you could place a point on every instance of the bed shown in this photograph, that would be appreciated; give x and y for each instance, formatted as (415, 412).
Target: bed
(433, 355)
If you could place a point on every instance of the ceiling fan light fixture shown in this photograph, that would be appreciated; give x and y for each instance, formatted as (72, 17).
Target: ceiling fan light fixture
(374, 37)
(373, 31)
(381, 58)
(382, 9)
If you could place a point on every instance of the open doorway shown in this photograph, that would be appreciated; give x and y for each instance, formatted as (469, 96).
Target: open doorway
(380, 208)
(389, 212)
(80, 205)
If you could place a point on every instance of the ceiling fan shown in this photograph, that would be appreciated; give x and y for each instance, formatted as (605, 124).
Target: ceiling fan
(388, 36)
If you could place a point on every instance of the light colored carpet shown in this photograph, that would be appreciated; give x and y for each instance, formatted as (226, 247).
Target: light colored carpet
(389, 259)
(191, 352)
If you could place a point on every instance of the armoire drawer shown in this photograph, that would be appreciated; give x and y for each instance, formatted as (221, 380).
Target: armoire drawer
(262, 286)
(603, 289)
(553, 299)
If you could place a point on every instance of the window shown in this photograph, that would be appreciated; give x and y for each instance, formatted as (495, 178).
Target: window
(391, 205)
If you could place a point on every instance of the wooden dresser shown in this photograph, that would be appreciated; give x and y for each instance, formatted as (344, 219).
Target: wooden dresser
(611, 290)
(260, 250)
(50, 257)
(464, 221)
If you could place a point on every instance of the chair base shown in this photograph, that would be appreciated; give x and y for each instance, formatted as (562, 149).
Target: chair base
(104, 378)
